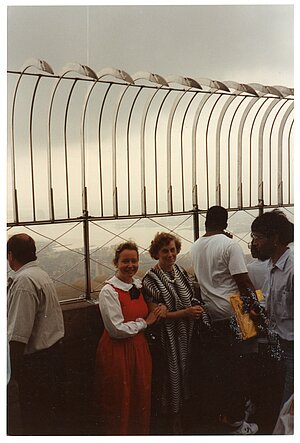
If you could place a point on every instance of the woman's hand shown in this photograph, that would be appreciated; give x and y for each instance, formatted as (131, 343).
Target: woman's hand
(151, 318)
(161, 311)
(194, 311)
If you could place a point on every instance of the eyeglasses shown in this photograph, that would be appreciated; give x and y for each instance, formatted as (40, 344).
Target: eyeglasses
(258, 237)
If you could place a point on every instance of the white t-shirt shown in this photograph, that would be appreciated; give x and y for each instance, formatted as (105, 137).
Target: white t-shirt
(215, 260)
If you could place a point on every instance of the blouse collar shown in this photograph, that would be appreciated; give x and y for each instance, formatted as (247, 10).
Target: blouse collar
(115, 281)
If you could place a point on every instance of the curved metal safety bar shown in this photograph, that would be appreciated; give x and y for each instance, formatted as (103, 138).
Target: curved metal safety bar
(154, 78)
(188, 83)
(280, 107)
(169, 151)
(280, 151)
(184, 81)
(239, 166)
(206, 143)
(43, 66)
(181, 149)
(70, 67)
(142, 75)
(289, 162)
(244, 116)
(122, 75)
(228, 102)
(260, 165)
(114, 152)
(221, 107)
(155, 148)
(213, 84)
(240, 87)
(117, 73)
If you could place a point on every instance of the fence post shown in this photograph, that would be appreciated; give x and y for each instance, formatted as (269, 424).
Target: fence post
(196, 227)
(260, 206)
(86, 243)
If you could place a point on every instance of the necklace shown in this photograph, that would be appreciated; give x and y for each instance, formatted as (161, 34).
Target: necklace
(170, 275)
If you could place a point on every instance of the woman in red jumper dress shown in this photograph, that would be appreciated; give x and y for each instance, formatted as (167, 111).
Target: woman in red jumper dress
(123, 360)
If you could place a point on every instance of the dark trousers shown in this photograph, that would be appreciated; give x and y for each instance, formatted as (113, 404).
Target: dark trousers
(288, 349)
(41, 394)
(228, 373)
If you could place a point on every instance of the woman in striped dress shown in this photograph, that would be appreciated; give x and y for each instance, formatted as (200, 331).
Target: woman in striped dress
(168, 286)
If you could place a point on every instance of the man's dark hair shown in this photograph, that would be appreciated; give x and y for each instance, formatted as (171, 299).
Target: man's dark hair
(22, 247)
(216, 218)
(272, 223)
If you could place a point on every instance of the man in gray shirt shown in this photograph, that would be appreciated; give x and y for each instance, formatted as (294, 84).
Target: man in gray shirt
(35, 328)
(271, 234)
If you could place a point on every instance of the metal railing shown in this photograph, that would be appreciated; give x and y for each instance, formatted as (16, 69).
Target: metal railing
(87, 147)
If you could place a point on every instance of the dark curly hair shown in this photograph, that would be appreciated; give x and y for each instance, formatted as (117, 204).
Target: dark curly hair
(272, 223)
(129, 245)
(162, 239)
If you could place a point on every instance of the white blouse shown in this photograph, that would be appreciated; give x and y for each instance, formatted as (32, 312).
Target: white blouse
(111, 310)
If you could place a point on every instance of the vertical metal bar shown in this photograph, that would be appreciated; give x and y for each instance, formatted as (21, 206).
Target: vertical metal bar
(228, 101)
(50, 188)
(99, 149)
(250, 155)
(65, 147)
(280, 148)
(83, 150)
(169, 150)
(260, 149)
(181, 150)
(155, 148)
(289, 163)
(128, 150)
(206, 149)
(82, 70)
(239, 160)
(86, 242)
(240, 146)
(114, 153)
(143, 160)
(41, 65)
(31, 148)
(270, 151)
(194, 147)
(196, 226)
(13, 154)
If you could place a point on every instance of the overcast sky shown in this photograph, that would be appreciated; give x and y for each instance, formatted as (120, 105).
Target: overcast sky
(243, 43)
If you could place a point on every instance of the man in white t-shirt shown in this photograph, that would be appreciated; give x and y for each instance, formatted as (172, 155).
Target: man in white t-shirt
(221, 271)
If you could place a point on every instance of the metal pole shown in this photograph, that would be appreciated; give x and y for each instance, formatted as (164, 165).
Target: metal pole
(196, 226)
(86, 243)
(260, 206)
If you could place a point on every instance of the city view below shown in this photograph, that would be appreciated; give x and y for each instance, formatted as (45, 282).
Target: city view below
(64, 258)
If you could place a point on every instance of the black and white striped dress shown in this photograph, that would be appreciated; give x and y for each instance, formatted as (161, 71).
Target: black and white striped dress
(176, 293)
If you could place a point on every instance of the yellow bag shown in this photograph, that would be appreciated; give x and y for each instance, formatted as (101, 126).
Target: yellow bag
(244, 321)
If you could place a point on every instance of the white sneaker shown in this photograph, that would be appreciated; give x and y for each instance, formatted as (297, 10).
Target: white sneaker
(250, 409)
(245, 429)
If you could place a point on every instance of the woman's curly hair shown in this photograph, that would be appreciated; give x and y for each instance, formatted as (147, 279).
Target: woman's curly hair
(162, 239)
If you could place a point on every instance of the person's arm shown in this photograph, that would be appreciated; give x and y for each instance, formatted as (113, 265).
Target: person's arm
(190, 312)
(247, 292)
(16, 352)
(244, 283)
